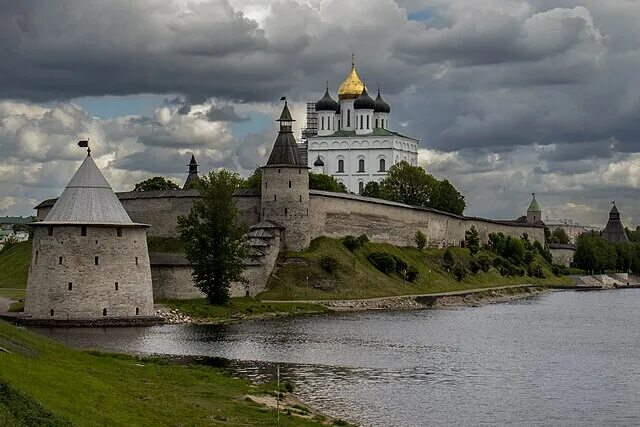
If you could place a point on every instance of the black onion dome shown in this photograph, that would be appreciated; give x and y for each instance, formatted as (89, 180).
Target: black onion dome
(364, 101)
(381, 105)
(318, 162)
(326, 103)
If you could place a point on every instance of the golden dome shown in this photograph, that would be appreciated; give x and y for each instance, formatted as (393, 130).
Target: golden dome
(352, 87)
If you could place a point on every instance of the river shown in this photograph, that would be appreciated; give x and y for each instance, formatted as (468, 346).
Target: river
(564, 358)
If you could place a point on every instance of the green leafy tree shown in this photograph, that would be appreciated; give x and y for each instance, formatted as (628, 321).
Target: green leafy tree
(514, 250)
(559, 235)
(460, 272)
(213, 233)
(155, 184)
(447, 198)
(371, 189)
(594, 254)
(408, 184)
(448, 260)
(320, 181)
(625, 256)
(472, 240)
(253, 181)
(421, 240)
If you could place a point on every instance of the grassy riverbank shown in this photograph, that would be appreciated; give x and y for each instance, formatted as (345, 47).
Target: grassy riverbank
(45, 383)
(240, 309)
(303, 278)
(14, 265)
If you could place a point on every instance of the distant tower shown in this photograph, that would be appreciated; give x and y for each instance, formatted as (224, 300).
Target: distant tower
(89, 260)
(534, 213)
(614, 231)
(285, 187)
(193, 174)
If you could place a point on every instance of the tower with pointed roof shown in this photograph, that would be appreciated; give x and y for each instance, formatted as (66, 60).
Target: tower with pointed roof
(354, 142)
(614, 231)
(193, 174)
(534, 213)
(285, 187)
(89, 260)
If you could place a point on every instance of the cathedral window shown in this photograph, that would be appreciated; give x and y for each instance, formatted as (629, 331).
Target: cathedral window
(382, 124)
(338, 124)
(361, 165)
(360, 187)
(376, 122)
(340, 167)
(383, 166)
(322, 120)
(348, 118)
(367, 122)
(361, 122)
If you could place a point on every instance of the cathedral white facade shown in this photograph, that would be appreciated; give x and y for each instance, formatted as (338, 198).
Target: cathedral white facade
(354, 143)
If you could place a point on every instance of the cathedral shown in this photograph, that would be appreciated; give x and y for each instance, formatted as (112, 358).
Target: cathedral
(353, 142)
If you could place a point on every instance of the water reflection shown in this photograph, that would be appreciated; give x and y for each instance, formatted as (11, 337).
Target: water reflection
(565, 358)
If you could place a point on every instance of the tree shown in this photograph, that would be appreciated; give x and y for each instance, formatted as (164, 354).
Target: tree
(594, 254)
(253, 181)
(421, 240)
(408, 184)
(625, 256)
(155, 184)
(371, 189)
(472, 240)
(447, 198)
(320, 181)
(559, 235)
(213, 233)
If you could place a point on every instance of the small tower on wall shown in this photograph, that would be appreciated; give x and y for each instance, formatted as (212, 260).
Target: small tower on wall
(193, 174)
(534, 213)
(285, 187)
(614, 231)
(89, 262)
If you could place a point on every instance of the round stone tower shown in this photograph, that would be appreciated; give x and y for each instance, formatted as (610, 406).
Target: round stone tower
(89, 260)
(285, 187)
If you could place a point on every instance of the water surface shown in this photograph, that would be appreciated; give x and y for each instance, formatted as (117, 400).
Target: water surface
(570, 358)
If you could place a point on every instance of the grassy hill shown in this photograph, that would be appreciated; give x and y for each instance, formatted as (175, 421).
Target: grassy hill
(45, 383)
(302, 277)
(14, 265)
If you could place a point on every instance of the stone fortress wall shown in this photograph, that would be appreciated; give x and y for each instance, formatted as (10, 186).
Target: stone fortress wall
(66, 282)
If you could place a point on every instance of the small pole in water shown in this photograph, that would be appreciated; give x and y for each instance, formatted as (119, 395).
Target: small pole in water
(278, 396)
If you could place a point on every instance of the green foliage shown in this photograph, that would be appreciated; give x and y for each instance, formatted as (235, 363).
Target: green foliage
(472, 240)
(25, 410)
(383, 262)
(594, 254)
(626, 256)
(213, 233)
(448, 260)
(253, 181)
(9, 242)
(421, 240)
(514, 250)
(485, 262)
(474, 266)
(155, 184)
(354, 243)
(329, 264)
(409, 184)
(320, 181)
(401, 266)
(459, 272)
(411, 274)
(14, 265)
(371, 189)
(559, 235)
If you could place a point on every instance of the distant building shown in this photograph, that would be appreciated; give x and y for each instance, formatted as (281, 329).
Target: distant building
(614, 231)
(89, 260)
(353, 142)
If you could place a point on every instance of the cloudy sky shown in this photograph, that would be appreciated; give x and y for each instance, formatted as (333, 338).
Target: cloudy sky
(507, 96)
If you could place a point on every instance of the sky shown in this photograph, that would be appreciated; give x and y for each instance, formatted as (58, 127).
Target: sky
(508, 97)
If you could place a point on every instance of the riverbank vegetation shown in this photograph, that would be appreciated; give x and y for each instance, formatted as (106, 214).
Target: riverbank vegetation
(244, 308)
(45, 383)
(14, 265)
(594, 255)
(406, 270)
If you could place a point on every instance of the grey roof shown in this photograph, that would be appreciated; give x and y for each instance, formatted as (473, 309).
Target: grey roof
(382, 106)
(260, 233)
(534, 206)
(255, 242)
(614, 231)
(88, 199)
(326, 103)
(364, 101)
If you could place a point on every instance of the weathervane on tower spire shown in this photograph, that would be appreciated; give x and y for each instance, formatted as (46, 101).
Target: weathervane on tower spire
(85, 144)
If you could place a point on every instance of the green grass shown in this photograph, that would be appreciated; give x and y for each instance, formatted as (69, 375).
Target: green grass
(302, 278)
(14, 265)
(55, 385)
(13, 294)
(16, 307)
(240, 308)
(165, 244)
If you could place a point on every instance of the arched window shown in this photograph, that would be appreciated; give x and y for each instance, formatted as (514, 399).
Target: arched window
(340, 166)
(338, 124)
(383, 166)
(382, 124)
(360, 187)
(322, 120)
(348, 118)
(361, 122)
(367, 121)
(376, 122)
(361, 165)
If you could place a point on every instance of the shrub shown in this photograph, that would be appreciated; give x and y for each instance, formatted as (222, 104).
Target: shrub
(421, 240)
(401, 266)
(485, 262)
(362, 239)
(351, 242)
(448, 260)
(472, 240)
(412, 274)
(329, 264)
(382, 261)
(474, 266)
(460, 272)
(529, 257)
(555, 270)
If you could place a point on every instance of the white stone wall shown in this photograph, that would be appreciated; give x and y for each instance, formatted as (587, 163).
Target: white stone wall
(66, 257)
